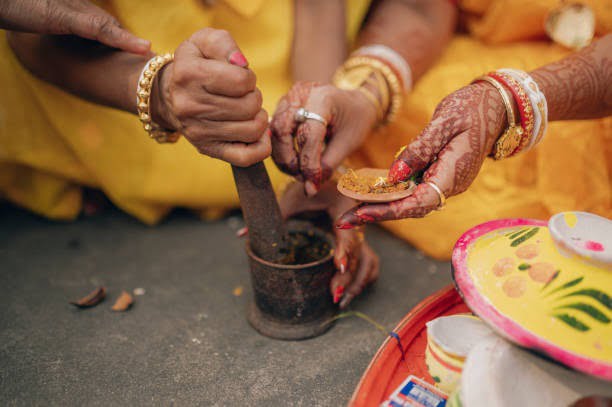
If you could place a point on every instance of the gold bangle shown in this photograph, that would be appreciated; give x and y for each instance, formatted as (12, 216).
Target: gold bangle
(143, 99)
(511, 137)
(372, 98)
(504, 96)
(381, 84)
(343, 80)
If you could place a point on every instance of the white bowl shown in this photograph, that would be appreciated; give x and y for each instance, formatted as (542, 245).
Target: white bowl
(583, 235)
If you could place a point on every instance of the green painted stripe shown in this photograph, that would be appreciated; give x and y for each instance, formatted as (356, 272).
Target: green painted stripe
(514, 235)
(587, 309)
(567, 285)
(597, 295)
(523, 238)
(573, 322)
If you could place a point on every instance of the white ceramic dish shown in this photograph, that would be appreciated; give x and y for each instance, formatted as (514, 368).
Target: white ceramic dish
(584, 235)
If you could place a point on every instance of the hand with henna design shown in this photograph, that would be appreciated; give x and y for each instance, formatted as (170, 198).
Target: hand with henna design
(466, 123)
(356, 262)
(300, 149)
(451, 150)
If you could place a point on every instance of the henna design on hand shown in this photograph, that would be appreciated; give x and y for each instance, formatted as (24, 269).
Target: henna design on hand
(579, 86)
(452, 148)
(283, 126)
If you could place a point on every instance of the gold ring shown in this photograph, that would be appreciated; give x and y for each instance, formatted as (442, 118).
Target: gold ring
(440, 195)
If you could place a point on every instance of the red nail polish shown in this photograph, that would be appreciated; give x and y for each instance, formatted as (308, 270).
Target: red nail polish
(242, 232)
(237, 58)
(338, 293)
(400, 171)
(366, 218)
(344, 226)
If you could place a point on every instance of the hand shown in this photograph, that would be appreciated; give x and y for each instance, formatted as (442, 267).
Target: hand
(76, 17)
(299, 148)
(209, 95)
(355, 260)
(451, 150)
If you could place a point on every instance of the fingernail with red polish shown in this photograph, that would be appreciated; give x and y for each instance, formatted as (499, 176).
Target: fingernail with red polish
(344, 225)
(400, 171)
(242, 232)
(237, 58)
(338, 293)
(365, 217)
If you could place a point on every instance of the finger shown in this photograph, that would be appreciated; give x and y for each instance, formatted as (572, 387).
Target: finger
(218, 45)
(424, 149)
(98, 25)
(346, 251)
(338, 284)
(240, 154)
(424, 200)
(310, 140)
(283, 127)
(367, 272)
(214, 77)
(335, 152)
(248, 131)
(223, 108)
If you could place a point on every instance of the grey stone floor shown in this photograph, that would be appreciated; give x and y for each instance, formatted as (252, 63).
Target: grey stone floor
(186, 340)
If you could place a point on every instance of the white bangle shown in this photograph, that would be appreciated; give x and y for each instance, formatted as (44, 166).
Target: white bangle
(391, 57)
(538, 104)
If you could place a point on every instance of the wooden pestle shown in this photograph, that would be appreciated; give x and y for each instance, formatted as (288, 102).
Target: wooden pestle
(268, 235)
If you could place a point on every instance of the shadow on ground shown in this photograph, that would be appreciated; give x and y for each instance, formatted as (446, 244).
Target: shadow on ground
(186, 340)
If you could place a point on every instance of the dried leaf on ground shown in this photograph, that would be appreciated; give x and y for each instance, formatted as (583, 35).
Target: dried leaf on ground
(94, 298)
(124, 302)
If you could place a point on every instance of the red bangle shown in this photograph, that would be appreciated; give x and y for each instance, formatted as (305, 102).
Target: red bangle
(524, 105)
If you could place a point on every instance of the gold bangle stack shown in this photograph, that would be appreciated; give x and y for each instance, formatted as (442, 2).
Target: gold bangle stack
(143, 99)
(358, 71)
(511, 137)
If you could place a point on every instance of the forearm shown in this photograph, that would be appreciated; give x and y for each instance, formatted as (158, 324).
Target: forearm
(579, 86)
(417, 29)
(84, 68)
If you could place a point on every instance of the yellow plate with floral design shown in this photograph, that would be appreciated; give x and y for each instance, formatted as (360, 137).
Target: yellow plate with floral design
(511, 275)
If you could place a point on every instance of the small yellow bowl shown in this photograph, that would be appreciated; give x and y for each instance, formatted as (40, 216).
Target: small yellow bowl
(445, 369)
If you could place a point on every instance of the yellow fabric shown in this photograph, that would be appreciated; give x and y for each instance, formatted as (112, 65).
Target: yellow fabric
(52, 143)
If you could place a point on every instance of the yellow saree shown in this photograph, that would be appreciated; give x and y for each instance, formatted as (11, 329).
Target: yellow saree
(52, 144)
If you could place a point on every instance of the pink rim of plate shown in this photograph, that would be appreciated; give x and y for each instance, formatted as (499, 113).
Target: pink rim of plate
(502, 324)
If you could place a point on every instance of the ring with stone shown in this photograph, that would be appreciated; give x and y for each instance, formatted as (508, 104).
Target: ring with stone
(301, 115)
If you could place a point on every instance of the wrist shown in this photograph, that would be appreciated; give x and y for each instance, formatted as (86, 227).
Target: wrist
(367, 106)
(160, 108)
(503, 121)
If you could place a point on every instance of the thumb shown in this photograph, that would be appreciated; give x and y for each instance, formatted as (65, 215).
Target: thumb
(423, 150)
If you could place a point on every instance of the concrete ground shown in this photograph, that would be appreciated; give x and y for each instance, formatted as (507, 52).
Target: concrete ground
(186, 340)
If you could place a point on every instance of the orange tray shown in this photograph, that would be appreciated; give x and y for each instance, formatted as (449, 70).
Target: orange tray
(387, 370)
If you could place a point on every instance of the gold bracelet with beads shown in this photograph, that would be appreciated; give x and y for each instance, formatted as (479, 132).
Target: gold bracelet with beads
(143, 99)
(342, 79)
